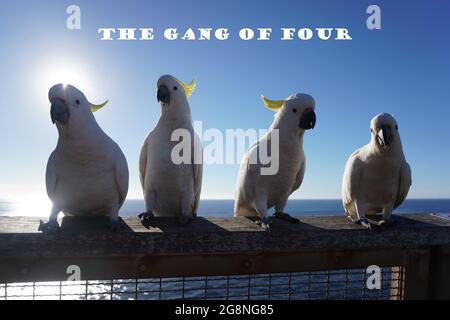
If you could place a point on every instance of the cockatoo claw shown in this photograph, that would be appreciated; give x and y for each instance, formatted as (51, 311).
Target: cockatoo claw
(285, 217)
(145, 219)
(385, 222)
(183, 220)
(263, 223)
(51, 226)
(116, 225)
(365, 223)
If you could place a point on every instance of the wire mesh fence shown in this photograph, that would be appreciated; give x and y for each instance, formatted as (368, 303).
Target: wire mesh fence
(336, 284)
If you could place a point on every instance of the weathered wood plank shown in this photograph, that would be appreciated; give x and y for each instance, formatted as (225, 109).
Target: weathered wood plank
(216, 224)
(417, 286)
(213, 246)
(143, 266)
(217, 235)
(440, 273)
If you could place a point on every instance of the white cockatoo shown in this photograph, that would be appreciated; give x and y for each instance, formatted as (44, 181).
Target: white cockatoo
(261, 185)
(87, 173)
(377, 177)
(170, 163)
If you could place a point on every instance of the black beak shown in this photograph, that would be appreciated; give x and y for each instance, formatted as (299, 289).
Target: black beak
(59, 111)
(308, 120)
(385, 136)
(163, 94)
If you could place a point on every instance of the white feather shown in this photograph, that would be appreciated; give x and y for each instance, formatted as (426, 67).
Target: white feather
(171, 189)
(376, 180)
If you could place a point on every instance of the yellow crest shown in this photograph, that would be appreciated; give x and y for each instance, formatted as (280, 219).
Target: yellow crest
(274, 105)
(96, 107)
(188, 88)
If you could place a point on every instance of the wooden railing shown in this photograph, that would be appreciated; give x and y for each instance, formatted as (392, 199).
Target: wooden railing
(418, 243)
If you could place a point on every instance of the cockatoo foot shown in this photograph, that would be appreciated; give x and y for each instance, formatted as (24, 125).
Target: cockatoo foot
(145, 218)
(263, 223)
(285, 217)
(184, 220)
(385, 222)
(51, 226)
(116, 225)
(364, 222)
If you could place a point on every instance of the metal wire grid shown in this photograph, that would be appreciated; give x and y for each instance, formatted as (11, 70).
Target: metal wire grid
(339, 284)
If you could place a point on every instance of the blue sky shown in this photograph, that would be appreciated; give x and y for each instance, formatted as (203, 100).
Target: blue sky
(403, 69)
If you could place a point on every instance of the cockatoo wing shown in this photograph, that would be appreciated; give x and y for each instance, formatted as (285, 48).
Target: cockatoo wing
(197, 165)
(198, 172)
(121, 176)
(404, 184)
(300, 176)
(253, 170)
(143, 164)
(51, 176)
(352, 175)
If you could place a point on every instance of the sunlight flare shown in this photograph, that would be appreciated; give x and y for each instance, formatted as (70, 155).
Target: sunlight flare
(65, 71)
(34, 206)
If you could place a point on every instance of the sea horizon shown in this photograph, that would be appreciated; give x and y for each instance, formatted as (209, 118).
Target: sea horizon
(224, 207)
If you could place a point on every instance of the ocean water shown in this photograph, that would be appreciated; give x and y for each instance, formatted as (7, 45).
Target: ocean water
(224, 208)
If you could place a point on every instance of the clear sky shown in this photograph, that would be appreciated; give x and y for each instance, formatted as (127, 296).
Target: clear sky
(403, 69)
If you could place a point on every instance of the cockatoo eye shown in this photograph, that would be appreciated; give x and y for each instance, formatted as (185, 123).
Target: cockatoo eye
(77, 102)
(294, 110)
(396, 127)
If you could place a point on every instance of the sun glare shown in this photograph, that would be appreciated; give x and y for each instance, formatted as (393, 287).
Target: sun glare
(65, 72)
(35, 206)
